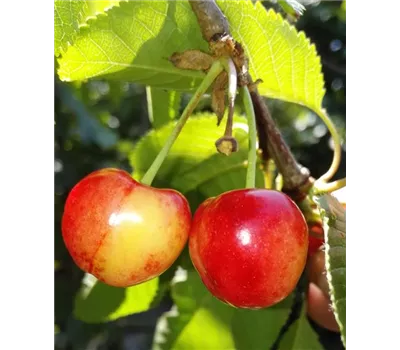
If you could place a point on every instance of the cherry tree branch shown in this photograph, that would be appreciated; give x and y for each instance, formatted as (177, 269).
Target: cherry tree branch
(296, 178)
(294, 175)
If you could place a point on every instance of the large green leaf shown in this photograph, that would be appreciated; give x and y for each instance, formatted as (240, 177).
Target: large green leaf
(193, 161)
(200, 321)
(259, 329)
(100, 6)
(334, 221)
(69, 15)
(162, 105)
(97, 302)
(300, 335)
(133, 41)
(278, 54)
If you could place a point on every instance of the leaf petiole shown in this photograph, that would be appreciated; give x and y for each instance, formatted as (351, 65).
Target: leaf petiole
(214, 71)
(337, 148)
(252, 155)
(323, 187)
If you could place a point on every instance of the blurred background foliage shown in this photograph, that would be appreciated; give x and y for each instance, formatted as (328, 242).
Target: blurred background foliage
(97, 123)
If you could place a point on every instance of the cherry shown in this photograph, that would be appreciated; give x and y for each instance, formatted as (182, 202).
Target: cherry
(249, 246)
(316, 231)
(315, 238)
(318, 301)
(121, 231)
(316, 271)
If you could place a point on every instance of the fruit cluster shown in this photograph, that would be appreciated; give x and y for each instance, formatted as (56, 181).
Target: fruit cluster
(249, 246)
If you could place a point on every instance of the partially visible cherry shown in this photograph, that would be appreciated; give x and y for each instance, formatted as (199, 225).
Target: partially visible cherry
(315, 237)
(318, 301)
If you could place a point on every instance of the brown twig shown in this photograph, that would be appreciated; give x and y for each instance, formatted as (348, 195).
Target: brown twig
(212, 21)
(294, 175)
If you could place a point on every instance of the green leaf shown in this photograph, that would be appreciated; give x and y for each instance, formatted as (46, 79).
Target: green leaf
(132, 42)
(97, 302)
(200, 321)
(278, 54)
(259, 329)
(334, 222)
(300, 335)
(229, 180)
(70, 15)
(100, 6)
(162, 105)
(193, 161)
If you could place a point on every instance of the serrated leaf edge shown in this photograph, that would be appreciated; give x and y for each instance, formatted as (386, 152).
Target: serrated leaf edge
(326, 219)
(301, 35)
(82, 27)
(63, 47)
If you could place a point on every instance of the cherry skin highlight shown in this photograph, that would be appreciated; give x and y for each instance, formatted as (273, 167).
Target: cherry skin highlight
(121, 231)
(249, 246)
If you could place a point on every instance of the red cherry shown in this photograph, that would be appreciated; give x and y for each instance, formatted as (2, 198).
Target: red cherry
(316, 231)
(315, 238)
(121, 231)
(318, 301)
(249, 246)
(319, 308)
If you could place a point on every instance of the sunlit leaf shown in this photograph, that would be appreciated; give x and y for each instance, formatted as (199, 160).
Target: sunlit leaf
(97, 302)
(193, 162)
(69, 15)
(200, 321)
(133, 41)
(281, 56)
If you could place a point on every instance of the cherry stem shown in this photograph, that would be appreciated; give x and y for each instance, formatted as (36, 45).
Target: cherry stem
(252, 155)
(337, 149)
(232, 88)
(214, 71)
(322, 187)
(269, 174)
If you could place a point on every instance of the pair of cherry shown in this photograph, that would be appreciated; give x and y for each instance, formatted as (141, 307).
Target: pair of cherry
(249, 246)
